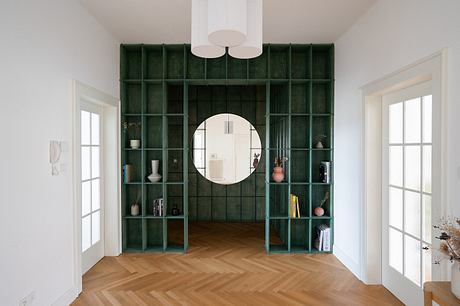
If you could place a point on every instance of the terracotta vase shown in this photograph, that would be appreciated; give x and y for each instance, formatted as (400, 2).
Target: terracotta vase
(319, 211)
(455, 283)
(278, 174)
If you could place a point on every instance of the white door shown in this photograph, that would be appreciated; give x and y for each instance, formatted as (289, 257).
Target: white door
(92, 208)
(407, 192)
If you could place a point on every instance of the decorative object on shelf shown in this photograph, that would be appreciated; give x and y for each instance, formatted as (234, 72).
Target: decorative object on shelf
(175, 211)
(127, 173)
(320, 141)
(323, 240)
(295, 211)
(319, 211)
(236, 24)
(135, 209)
(255, 162)
(278, 171)
(158, 207)
(325, 172)
(450, 249)
(134, 143)
(155, 176)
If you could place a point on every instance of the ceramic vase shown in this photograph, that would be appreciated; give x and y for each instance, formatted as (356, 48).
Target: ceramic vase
(319, 211)
(135, 209)
(135, 143)
(455, 283)
(155, 177)
(278, 174)
(319, 145)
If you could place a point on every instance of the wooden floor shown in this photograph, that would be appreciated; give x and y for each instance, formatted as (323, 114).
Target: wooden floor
(227, 265)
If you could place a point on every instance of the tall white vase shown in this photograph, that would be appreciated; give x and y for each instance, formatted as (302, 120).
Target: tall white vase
(155, 177)
(455, 283)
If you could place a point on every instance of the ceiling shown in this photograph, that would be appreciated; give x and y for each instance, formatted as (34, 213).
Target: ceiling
(168, 21)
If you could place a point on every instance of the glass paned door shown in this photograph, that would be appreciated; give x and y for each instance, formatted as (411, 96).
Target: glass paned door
(91, 199)
(407, 146)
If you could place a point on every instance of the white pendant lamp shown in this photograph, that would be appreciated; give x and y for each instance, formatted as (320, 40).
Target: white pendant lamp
(252, 46)
(227, 22)
(201, 46)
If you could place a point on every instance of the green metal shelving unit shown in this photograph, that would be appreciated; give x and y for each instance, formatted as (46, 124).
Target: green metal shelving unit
(155, 83)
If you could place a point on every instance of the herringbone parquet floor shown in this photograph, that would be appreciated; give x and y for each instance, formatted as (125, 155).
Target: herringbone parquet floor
(226, 265)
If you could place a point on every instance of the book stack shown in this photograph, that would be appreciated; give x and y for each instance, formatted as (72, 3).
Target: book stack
(323, 240)
(158, 208)
(295, 211)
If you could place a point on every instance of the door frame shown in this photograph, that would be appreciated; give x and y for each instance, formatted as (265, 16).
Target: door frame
(430, 69)
(110, 131)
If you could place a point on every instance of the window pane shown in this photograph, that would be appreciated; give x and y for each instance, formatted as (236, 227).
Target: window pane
(85, 233)
(94, 129)
(95, 195)
(396, 207)
(96, 227)
(427, 169)
(255, 139)
(95, 162)
(85, 163)
(198, 139)
(396, 166)
(395, 250)
(412, 118)
(198, 158)
(427, 118)
(427, 264)
(412, 259)
(396, 123)
(85, 128)
(426, 215)
(412, 167)
(412, 213)
(85, 198)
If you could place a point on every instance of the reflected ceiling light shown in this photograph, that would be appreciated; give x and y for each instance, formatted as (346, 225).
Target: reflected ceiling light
(236, 24)
(200, 44)
(252, 46)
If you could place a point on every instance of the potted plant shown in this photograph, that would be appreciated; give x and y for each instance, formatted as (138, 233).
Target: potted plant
(319, 211)
(450, 249)
(136, 142)
(135, 207)
(278, 172)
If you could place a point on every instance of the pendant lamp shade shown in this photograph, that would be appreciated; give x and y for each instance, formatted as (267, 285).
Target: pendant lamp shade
(227, 22)
(252, 46)
(200, 44)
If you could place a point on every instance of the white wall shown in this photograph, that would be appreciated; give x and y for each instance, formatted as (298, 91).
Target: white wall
(44, 44)
(390, 36)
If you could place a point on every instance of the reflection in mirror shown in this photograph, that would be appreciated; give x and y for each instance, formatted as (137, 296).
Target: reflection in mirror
(226, 149)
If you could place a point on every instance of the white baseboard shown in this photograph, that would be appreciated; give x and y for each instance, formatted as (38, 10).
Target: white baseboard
(349, 263)
(67, 298)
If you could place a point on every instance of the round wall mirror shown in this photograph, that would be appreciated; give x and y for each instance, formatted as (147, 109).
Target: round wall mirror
(226, 149)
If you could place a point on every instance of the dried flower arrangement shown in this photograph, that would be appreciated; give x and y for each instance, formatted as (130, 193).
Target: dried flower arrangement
(280, 160)
(450, 239)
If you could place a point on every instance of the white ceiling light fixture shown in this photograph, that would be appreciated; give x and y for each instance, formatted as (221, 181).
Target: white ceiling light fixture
(236, 24)
(227, 22)
(252, 47)
(201, 46)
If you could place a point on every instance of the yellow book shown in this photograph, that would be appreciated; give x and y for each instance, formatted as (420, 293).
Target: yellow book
(292, 206)
(297, 206)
